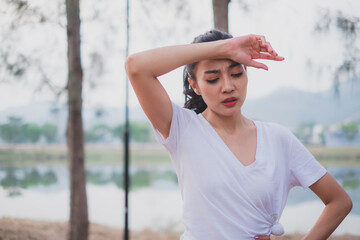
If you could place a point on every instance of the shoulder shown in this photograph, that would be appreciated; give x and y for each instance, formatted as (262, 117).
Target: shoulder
(275, 134)
(182, 113)
(181, 120)
(274, 128)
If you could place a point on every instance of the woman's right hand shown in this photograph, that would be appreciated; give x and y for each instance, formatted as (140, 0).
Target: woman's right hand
(245, 49)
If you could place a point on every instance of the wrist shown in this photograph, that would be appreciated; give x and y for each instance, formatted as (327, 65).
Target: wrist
(224, 49)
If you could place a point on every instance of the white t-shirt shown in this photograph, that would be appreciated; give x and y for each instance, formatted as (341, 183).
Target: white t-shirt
(222, 198)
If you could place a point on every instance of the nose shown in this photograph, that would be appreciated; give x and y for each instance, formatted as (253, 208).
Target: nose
(228, 85)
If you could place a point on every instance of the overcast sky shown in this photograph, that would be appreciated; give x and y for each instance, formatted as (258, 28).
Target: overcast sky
(310, 57)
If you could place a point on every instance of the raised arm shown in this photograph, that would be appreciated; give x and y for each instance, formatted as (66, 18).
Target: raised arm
(143, 69)
(337, 205)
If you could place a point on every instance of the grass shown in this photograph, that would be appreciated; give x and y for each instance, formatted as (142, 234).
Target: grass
(344, 156)
(27, 155)
(140, 155)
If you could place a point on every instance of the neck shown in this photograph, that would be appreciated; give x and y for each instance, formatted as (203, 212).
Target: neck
(229, 124)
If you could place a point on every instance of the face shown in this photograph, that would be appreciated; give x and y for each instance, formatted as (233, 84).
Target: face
(222, 84)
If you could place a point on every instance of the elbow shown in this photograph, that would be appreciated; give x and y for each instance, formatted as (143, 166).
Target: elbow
(345, 204)
(131, 66)
(348, 204)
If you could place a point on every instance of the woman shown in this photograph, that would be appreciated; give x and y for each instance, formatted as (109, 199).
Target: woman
(234, 173)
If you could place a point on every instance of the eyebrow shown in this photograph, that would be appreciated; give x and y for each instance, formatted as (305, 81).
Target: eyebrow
(212, 71)
(234, 64)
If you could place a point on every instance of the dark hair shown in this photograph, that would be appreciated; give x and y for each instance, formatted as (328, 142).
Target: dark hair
(192, 100)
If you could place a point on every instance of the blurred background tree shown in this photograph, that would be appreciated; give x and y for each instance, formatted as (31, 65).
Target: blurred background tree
(16, 62)
(15, 131)
(11, 131)
(348, 26)
(350, 130)
(31, 132)
(79, 220)
(49, 131)
(304, 132)
(97, 133)
(221, 14)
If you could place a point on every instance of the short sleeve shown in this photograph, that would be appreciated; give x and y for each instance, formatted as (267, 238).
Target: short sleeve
(305, 169)
(180, 121)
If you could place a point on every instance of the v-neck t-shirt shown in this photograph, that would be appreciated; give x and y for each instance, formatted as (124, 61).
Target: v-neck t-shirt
(224, 199)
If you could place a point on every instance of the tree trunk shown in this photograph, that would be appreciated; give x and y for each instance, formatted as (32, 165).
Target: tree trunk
(79, 223)
(220, 8)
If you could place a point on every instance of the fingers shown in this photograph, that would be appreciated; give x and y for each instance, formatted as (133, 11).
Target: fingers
(261, 40)
(270, 57)
(264, 45)
(257, 48)
(255, 64)
(270, 49)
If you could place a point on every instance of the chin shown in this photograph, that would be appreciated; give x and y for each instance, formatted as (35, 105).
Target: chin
(230, 112)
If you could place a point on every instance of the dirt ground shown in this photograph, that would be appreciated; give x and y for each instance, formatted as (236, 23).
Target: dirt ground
(20, 229)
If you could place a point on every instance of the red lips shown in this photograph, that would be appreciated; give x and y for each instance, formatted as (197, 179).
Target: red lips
(229, 102)
(230, 99)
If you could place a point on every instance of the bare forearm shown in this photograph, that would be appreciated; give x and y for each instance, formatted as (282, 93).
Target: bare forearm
(143, 68)
(331, 217)
(159, 61)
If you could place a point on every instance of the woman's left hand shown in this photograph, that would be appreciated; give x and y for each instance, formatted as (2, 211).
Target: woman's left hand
(262, 237)
(245, 49)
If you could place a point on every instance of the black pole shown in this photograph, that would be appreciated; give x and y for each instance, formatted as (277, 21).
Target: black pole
(127, 182)
(126, 134)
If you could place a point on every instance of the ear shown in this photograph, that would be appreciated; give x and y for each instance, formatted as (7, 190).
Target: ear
(194, 86)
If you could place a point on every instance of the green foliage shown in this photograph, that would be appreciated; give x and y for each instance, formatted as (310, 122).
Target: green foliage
(118, 132)
(30, 133)
(17, 179)
(351, 181)
(11, 131)
(32, 178)
(13, 182)
(15, 131)
(118, 179)
(350, 130)
(49, 178)
(10, 179)
(140, 179)
(322, 137)
(49, 132)
(304, 132)
(170, 175)
(96, 178)
(97, 133)
(139, 132)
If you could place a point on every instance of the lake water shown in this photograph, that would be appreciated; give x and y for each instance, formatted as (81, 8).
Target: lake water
(42, 193)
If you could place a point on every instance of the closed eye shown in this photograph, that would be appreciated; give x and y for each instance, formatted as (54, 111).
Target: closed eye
(211, 81)
(237, 74)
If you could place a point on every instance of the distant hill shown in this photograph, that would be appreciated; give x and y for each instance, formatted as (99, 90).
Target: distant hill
(290, 107)
(286, 106)
(53, 112)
